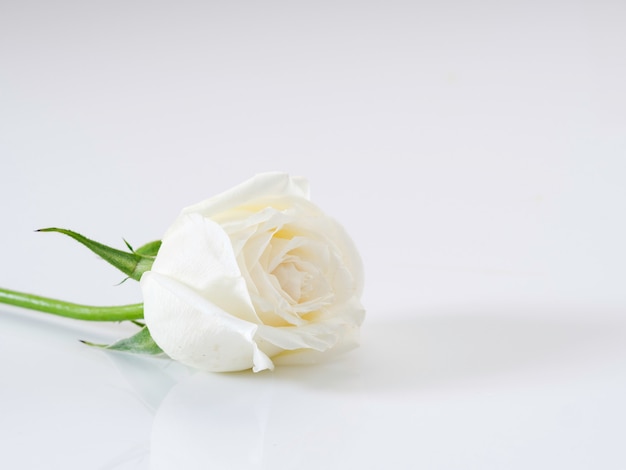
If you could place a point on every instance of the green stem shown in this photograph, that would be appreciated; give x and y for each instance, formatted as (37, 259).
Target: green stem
(71, 310)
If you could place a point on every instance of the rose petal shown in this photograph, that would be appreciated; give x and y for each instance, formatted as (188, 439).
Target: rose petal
(261, 186)
(344, 321)
(195, 331)
(315, 336)
(197, 252)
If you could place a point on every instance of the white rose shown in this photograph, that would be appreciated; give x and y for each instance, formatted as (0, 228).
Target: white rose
(254, 276)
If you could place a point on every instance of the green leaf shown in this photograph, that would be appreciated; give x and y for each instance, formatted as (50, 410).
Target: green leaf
(133, 263)
(139, 343)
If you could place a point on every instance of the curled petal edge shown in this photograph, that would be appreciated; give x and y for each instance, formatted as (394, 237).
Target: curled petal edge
(271, 184)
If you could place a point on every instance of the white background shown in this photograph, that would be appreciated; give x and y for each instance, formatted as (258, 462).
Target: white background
(476, 151)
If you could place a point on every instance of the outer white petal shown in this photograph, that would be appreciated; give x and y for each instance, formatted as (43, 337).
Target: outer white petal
(261, 186)
(196, 332)
(198, 253)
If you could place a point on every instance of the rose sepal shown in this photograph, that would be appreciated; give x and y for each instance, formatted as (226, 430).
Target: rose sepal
(133, 263)
(139, 343)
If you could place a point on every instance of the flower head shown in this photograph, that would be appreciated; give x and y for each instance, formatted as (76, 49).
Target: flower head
(254, 276)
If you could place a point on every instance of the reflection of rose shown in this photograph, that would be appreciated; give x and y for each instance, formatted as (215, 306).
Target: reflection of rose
(257, 272)
(206, 423)
(247, 422)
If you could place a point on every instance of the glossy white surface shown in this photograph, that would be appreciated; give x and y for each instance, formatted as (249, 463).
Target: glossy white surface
(474, 152)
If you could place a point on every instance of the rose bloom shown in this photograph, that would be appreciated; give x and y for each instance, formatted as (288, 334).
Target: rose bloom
(254, 276)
